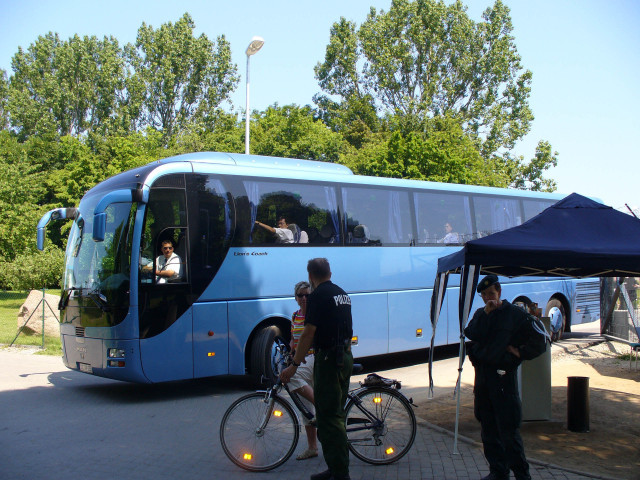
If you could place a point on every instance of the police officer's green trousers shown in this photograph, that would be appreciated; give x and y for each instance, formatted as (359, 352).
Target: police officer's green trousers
(331, 385)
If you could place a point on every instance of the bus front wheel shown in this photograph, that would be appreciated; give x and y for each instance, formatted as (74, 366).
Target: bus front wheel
(263, 352)
(556, 313)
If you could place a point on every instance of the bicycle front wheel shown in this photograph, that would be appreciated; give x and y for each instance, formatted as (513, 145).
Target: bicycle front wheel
(258, 435)
(381, 425)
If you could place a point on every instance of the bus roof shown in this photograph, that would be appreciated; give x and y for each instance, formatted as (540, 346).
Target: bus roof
(288, 168)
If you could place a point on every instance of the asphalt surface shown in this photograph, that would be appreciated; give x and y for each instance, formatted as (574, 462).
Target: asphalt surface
(60, 424)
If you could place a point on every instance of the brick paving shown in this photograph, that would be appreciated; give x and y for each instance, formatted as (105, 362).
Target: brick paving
(59, 424)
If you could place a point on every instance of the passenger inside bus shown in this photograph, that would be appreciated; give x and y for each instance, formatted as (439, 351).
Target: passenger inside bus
(286, 233)
(282, 232)
(326, 234)
(450, 235)
(360, 234)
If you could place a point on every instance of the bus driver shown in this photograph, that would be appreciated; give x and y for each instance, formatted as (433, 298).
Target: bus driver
(168, 265)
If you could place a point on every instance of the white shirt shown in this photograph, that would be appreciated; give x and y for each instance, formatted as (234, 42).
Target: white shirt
(450, 237)
(172, 263)
(284, 235)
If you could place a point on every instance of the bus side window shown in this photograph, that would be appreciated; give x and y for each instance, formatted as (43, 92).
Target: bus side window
(376, 216)
(443, 218)
(311, 207)
(494, 213)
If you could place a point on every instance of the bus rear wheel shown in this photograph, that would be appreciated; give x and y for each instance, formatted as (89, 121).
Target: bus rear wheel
(556, 313)
(263, 352)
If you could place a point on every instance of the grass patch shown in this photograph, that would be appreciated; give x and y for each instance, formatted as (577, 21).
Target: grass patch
(10, 303)
(628, 356)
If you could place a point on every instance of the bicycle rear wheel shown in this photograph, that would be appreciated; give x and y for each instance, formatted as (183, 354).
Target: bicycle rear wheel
(381, 425)
(251, 446)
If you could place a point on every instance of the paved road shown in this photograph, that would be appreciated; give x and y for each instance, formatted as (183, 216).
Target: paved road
(60, 424)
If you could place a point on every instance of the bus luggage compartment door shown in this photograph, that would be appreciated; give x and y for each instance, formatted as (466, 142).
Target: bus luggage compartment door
(210, 339)
(370, 323)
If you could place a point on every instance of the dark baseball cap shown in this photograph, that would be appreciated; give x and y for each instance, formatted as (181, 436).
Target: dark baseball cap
(486, 282)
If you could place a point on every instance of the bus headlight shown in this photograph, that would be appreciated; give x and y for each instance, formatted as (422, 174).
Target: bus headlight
(115, 353)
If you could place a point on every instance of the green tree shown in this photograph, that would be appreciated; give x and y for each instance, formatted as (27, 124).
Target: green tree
(423, 60)
(355, 116)
(67, 87)
(33, 270)
(444, 153)
(182, 78)
(4, 98)
(294, 132)
(528, 176)
(20, 190)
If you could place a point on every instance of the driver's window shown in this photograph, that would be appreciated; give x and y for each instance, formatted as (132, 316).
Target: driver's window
(163, 254)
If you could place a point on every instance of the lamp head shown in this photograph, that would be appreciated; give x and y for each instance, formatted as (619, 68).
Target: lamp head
(255, 45)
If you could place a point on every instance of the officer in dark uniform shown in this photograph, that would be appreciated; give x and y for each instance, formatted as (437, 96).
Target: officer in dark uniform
(502, 336)
(328, 326)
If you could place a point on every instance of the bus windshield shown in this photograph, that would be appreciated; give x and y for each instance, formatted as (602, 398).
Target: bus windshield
(101, 268)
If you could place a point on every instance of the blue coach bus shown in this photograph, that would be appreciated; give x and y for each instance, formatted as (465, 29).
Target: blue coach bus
(382, 236)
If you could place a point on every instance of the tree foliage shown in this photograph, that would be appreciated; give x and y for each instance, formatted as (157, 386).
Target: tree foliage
(424, 59)
(33, 271)
(422, 62)
(180, 77)
(443, 153)
(69, 87)
(421, 91)
(4, 97)
(294, 132)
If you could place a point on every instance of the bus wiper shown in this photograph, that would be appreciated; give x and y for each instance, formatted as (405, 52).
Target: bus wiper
(100, 300)
(64, 299)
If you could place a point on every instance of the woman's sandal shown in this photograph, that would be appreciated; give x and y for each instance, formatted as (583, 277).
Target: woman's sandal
(308, 453)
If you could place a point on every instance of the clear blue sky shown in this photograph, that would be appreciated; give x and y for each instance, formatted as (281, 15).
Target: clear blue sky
(584, 55)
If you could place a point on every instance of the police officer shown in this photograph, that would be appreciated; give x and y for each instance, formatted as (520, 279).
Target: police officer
(328, 327)
(502, 336)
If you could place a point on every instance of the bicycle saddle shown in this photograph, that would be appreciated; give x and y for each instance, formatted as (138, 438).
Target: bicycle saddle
(375, 380)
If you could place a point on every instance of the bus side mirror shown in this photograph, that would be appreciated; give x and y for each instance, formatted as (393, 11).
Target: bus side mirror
(55, 214)
(42, 224)
(99, 226)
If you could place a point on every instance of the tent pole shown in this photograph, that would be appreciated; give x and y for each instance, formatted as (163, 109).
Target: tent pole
(455, 435)
(609, 315)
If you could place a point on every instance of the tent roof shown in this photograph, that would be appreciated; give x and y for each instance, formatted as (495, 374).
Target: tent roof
(575, 237)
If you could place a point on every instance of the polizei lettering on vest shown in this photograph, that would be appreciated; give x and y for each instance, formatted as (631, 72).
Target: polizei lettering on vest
(342, 300)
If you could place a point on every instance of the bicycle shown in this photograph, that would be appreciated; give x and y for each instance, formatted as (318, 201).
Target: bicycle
(260, 431)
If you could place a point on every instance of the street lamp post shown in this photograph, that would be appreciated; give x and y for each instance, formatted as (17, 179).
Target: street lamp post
(253, 48)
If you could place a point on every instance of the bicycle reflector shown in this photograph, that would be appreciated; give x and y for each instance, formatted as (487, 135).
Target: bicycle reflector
(277, 413)
(247, 456)
(377, 400)
(389, 451)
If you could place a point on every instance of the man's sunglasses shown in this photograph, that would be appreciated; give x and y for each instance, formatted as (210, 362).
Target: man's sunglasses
(300, 295)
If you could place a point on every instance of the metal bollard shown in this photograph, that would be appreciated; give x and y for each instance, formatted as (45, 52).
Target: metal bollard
(578, 404)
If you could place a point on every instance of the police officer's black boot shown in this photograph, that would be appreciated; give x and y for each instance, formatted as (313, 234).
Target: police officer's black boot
(495, 476)
(326, 475)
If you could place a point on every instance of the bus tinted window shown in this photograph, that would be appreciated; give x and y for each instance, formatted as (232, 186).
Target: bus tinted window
(211, 205)
(310, 210)
(534, 207)
(376, 216)
(442, 218)
(494, 214)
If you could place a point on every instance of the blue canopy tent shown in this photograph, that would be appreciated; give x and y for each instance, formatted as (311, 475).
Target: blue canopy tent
(575, 237)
